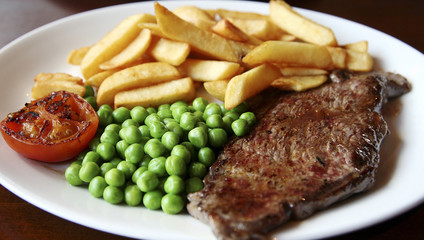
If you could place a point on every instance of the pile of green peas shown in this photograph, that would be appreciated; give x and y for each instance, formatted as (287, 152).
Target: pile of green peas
(156, 156)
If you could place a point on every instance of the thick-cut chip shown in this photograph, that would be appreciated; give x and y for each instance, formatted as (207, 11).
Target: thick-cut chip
(295, 53)
(217, 89)
(250, 83)
(359, 61)
(300, 71)
(132, 52)
(209, 70)
(169, 51)
(113, 43)
(225, 13)
(153, 96)
(153, 27)
(228, 30)
(361, 46)
(142, 75)
(75, 56)
(299, 83)
(292, 22)
(45, 83)
(97, 79)
(262, 29)
(196, 16)
(339, 56)
(200, 40)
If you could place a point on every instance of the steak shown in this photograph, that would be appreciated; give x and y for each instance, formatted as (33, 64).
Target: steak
(307, 151)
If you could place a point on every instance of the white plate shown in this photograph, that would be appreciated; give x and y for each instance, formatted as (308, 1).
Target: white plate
(45, 50)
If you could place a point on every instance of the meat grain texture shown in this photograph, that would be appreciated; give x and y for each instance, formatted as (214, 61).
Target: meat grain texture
(307, 151)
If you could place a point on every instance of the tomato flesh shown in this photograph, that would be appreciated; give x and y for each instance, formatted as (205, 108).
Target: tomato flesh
(51, 129)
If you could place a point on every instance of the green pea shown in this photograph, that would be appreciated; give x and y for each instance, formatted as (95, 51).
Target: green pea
(106, 107)
(232, 114)
(144, 130)
(215, 121)
(121, 114)
(197, 169)
(147, 181)
(137, 173)
(89, 91)
(109, 136)
(105, 167)
(130, 134)
(198, 115)
(113, 127)
(172, 204)
(152, 118)
(241, 108)
(206, 156)
(92, 101)
(188, 121)
(199, 104)
(145, 161)
(178, 104)
(164, 106)
(94, 143)
(130, 122)
(81, 156)
(91, 156)
(176, 128)
(154, 148)
(177, 112)
(174, 184)
(88, 171)
(169, 140)
(182, 152)
(217, 137)
(227, 124)
(157, 166)
(203, 125)
(152, 199)
(223, 109)
(249, 117)
(127, 168)
(193, 184)
(167, 120)
(113, 195)
(151, 110)
(139, 114)
(72, 175)
(133, 195)
(175, 165)
(77, 162)
(165, 113)
(106, 150)
(157, 129)
(115, 161)
(190, 148)
(120, 147)
(240, 127)
(96, 186)
(211, 108)
(134, 153)
(115, 177)
(198, 137)
(105, 115)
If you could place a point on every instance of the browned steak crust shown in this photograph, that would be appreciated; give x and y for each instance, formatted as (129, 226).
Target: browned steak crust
(307, 151)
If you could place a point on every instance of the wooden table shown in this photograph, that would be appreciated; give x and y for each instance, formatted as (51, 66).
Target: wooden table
(21, 220)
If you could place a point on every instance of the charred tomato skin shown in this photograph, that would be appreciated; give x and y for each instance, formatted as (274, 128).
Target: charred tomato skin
(51, 129)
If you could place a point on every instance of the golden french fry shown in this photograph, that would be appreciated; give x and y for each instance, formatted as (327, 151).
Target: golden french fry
(75, 56)
(290, 21)
(131, 53)
(113, 43)
(200, 40)
(259, 28)
(209, 70)
(58, 77)
(359, 61)
(216, 88)
(97, 79)
(361, 46)
(153, 96)
(250, 83)
(169, 51)
(224, 13)
(226, 29)
(339, 56)
(297, 53)
(301, 71)
(142, 75)
(299, 83)
(196, 16)
(153, 27)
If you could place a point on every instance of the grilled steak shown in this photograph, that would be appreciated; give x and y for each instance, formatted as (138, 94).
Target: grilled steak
(307, 151)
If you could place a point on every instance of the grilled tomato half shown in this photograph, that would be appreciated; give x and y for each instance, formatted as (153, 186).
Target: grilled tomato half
(51, 129)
